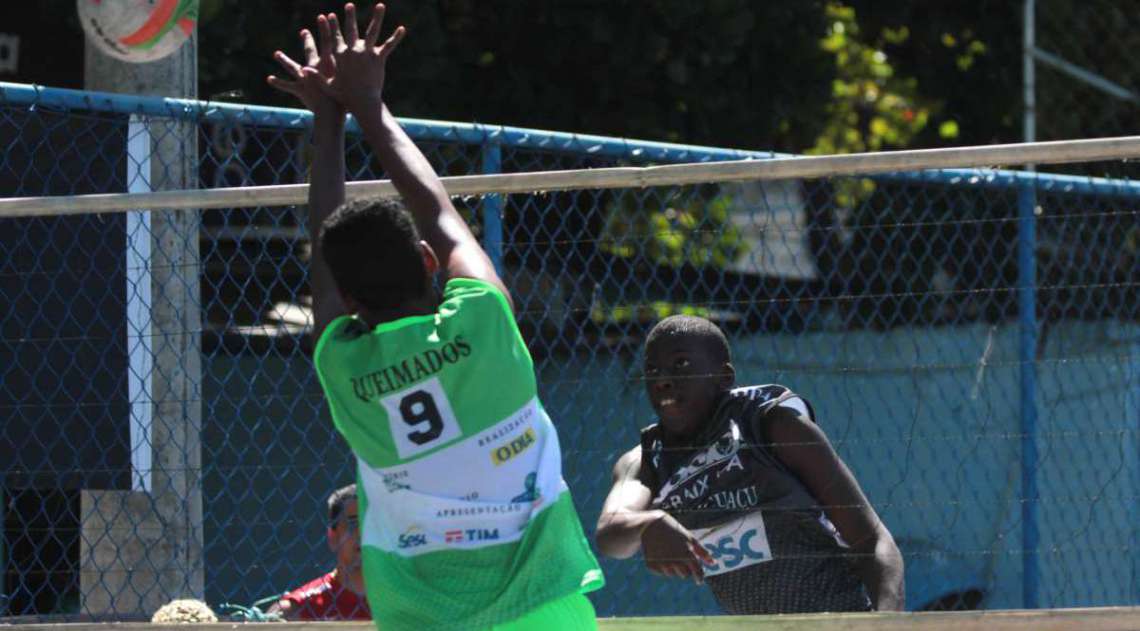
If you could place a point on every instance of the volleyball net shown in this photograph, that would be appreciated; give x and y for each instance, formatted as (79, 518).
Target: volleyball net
(966, 330)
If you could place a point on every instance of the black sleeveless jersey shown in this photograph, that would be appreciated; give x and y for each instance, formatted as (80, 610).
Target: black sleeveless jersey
(775, 550)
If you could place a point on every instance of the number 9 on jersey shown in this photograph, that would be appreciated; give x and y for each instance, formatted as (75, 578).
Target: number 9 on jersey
(420, 418)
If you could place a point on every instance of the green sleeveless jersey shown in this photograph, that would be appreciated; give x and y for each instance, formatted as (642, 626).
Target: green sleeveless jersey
(465, 518)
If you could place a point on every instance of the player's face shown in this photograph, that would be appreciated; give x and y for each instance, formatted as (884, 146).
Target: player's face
(344, 538)
(683, 382)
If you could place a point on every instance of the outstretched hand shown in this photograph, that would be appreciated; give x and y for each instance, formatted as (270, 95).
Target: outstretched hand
(671, 550)
(306, 80)
(357, 64)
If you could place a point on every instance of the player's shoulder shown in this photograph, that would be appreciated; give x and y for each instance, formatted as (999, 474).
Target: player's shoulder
(348, 327)
(345, 328)
(650, 432)
(459, 291)
(762, 400)
(337, 335)
(760, 395)
(651, 439)
(628, 463)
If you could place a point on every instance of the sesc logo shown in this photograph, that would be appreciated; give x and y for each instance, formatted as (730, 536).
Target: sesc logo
(413, 537)
(518, 444)
(730, 553)
(736, 545)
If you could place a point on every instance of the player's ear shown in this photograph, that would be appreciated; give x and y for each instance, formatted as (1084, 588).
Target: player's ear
(728, 376)
(350, 303)
(431, 261)
(330, 538)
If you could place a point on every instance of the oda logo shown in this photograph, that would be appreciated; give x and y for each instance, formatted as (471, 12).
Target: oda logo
(518, 444)
(730, 554)
(412, 538)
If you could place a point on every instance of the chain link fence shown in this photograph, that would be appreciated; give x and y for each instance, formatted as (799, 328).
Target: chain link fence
(1087, 86)
(968, 339)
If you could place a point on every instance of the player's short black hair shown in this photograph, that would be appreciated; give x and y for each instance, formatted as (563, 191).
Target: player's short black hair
(338, 502)
(372, 249)
(703, 331)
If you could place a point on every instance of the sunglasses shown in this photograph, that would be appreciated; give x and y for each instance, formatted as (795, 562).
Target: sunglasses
(351, 523)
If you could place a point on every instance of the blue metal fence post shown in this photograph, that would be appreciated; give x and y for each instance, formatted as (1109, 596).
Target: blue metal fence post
(492, 162)
(1132, 420)
(3, 554)
(1027, 355)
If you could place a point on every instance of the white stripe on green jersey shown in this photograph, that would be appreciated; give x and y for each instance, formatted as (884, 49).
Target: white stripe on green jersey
(466, 520)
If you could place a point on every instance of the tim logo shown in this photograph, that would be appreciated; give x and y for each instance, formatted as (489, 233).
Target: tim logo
(518, 444)
(736, 545)
(470, 534)
(412, 538)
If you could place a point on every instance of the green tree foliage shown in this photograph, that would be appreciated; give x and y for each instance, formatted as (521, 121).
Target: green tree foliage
(964, 56)
(677, 230)
(872, 107)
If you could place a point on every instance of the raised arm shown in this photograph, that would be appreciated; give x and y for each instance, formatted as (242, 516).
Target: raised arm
(326, 179)
(358, 83)
(801, 445)
(627, 524)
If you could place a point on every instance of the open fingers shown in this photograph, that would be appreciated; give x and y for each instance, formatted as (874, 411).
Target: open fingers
(325, 41)
(681, 570)
(372, 34)
(338, 37)
(392, 42)
(693, 569)
(290, 66)
(289, 87)
(324, 84)
(309, 45)
(700, 552)
(672, 569)
(351, 31)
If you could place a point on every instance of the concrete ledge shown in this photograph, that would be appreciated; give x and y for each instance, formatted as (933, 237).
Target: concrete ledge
(1085, 619)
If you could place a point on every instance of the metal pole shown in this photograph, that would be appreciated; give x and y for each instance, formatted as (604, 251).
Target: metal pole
(1027, 355)
(1027, 311)
(1029, 75)
(3, 553)
(140, 352)
(493, 206)
(1132, 419)
(141, 547)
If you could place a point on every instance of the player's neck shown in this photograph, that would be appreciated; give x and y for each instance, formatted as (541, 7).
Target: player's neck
(422, 306)
(352, 580)
(684, 439)
(696, 429)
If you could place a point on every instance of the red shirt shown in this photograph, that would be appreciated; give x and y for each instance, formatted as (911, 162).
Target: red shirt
(326, 598)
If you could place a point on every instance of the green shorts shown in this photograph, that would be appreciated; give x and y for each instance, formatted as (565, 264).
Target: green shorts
(569, 613)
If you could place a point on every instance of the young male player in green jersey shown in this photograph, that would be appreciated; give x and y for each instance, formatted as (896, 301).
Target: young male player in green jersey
(466, 522)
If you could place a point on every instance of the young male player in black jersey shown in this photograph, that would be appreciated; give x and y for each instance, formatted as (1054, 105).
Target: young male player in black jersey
(740, 487)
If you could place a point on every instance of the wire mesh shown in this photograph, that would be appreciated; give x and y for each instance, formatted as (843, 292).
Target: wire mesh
(1099, 96)
(165, 435)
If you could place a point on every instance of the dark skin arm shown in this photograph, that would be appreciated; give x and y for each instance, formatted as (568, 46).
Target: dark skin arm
(627, 523)
(804, 448)
(326, 186)
(357, 84)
